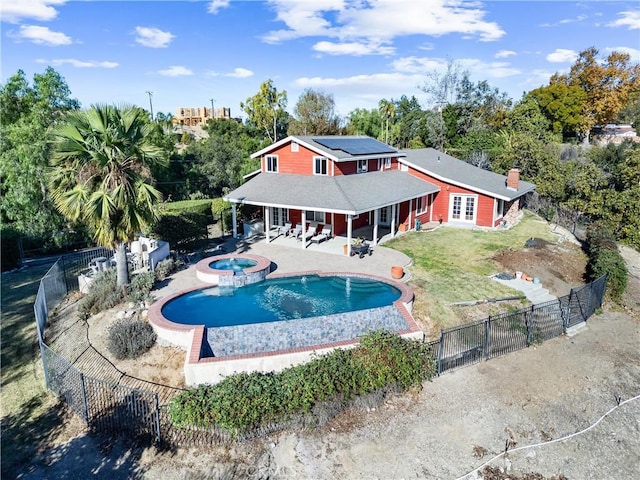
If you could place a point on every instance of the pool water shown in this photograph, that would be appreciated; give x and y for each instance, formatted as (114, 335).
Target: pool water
(279, 299)
(235, 264)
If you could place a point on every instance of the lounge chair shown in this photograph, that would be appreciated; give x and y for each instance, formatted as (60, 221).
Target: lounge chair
(284, 229)
(296, 231)
(325, 234)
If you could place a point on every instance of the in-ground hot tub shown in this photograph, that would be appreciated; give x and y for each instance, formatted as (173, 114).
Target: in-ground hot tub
(233, 270)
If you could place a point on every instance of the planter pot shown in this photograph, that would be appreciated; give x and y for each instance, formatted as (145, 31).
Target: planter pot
(346, 249)
(402, 227)
(397, 272)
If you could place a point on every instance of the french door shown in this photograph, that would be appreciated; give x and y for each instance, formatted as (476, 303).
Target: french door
(463, 208)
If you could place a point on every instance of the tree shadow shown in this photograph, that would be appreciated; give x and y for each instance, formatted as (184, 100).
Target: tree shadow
(32, 448)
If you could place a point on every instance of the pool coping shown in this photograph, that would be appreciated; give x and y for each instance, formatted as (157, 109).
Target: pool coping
(193, 338)
(210, 275)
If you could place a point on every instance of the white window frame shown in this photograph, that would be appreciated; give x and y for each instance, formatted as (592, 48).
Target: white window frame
(279, 216)
(295, 146)
(384, 163)
(268, 163)
(421, 205)
(363, 166)
(499, 213)
(464, 198)
(316, 216)
(325, 160)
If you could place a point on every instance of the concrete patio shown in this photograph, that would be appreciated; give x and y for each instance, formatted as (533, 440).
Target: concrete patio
(288, 256)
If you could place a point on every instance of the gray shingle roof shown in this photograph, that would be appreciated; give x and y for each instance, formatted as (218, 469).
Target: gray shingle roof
(458, 172)
(351, 194)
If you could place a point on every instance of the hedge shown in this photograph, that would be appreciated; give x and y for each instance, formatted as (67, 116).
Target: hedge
(605, 259)
(247, 402)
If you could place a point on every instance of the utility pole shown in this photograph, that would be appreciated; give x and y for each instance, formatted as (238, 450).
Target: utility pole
(150, 93)
(213, 112)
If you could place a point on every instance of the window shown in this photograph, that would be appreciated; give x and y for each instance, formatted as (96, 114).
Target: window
(499, 208)
(271, 163)
(463, 207)
(313, 216)
(279, 216)
(362, 166)
(294, 146)
(384, 163)
(320, 165)
(421, 204)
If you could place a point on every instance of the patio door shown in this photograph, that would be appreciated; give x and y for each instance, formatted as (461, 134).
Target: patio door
(384, 219)
(463, 208)
(279, 216)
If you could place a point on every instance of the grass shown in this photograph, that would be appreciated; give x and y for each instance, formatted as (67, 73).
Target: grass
(28, 413)
(452, 265)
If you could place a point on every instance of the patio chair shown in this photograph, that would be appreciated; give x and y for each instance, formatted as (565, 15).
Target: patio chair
(325, 234)
(284, 229)
(296, 231)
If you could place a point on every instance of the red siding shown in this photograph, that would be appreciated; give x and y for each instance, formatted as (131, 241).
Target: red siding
(297, 163)
(485, 203)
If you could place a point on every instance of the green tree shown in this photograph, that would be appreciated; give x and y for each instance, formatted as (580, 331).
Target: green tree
(365, 122)
(27, 112)
(314, 114)
(266, 109)
(101, 174)
(388, 112)
(219, 161)
(607, 85)
(562, 105)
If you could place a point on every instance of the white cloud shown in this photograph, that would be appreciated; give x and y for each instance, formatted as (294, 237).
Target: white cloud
(634, 53)
(239, 73)
(216, 5)
(153, 37)
(630, 19)
(504, 53)
(352, 48)
(562, 55)
(419, 64)
(13, 11)
(175, 71)
(380, 21)
(477, 68)
(56, 62)
(41, 36)
(564, 21)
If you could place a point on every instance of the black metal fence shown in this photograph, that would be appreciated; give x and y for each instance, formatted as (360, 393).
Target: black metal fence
(501, 334)
(137, 408)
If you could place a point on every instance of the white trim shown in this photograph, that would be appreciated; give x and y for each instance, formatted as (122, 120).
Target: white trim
(266, 164)
(463, 208)
(460, 184)
(326, 165)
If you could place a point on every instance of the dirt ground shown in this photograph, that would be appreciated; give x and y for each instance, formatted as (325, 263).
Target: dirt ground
(447, 429)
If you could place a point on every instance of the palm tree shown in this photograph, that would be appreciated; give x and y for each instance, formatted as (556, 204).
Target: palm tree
(101, 174)
(388, 110)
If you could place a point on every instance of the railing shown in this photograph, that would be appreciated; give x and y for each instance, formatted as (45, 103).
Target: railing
(140, 409)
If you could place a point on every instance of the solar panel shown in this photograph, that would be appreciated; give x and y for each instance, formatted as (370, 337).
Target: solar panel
(355, 146)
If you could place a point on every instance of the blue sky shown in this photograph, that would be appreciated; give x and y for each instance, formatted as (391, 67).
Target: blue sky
(360, 51)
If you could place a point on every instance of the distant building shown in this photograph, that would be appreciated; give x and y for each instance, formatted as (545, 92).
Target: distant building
(615, 133)
(196, 117)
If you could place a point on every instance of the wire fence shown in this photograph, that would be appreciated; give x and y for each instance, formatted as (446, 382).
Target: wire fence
(110, 401)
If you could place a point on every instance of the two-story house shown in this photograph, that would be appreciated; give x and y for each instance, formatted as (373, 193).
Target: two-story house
(349, 182)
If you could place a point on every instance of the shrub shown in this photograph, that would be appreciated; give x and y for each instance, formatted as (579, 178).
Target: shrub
(202, 205)
(130, 338)
(10, 250)
(165, 268)
(605, 259)
(248, 401)
(181, 229)
(102, 295)
(141, 285)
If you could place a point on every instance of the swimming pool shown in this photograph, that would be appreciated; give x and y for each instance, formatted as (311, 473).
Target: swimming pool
(233, 270)
(278, 299)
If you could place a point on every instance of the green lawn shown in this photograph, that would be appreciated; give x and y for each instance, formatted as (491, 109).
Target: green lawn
(452, 265)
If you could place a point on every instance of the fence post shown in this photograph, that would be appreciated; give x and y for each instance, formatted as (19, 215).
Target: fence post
(567, 316)
(440, 348)
(487, 333)
(45, 365)
(85, 406)
(156, 404)
(591, 309)
(528, 322)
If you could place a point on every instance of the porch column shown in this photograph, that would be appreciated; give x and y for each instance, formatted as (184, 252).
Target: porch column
(234, 220)
(304, 229)
(375, 225)
(410, 211)
(267, 224)
(393, 220)
(349, 233)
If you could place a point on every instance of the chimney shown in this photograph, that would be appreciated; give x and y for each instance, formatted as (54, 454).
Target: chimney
(513, 179)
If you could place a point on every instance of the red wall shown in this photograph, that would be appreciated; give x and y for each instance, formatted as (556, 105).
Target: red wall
(485, 204)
